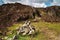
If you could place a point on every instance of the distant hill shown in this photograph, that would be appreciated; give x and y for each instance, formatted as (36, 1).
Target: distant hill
(50, 14)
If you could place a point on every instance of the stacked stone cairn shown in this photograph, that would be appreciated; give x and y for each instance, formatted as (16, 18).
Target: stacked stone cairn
(27, 29)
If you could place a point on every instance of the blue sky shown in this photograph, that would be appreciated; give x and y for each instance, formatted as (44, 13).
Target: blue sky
(48, 3)
(35, 3)
(1, 2)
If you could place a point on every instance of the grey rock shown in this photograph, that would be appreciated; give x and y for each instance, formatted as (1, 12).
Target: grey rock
(27, 29)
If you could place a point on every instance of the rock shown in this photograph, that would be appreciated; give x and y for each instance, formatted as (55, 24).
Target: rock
(31, 32)
(27, 29)
(37, 19)
(9, 39)
(6, 37)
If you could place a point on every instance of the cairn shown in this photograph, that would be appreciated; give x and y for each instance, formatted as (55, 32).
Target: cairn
(27, 28)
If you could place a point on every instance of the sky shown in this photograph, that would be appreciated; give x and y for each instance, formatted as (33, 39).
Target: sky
(34, 3)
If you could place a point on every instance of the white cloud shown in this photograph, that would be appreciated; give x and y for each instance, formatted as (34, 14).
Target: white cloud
(10, 1)
(38, 1)
(34, 3)
(39, 5)
(56, 2)
(26, 2)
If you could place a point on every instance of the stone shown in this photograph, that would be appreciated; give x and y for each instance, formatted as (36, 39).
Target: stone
(27, 29)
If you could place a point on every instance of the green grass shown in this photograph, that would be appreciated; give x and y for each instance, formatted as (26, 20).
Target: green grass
(37, 37)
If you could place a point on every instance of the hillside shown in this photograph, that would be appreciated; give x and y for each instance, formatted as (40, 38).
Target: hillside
(11, 13)
(50, 14)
